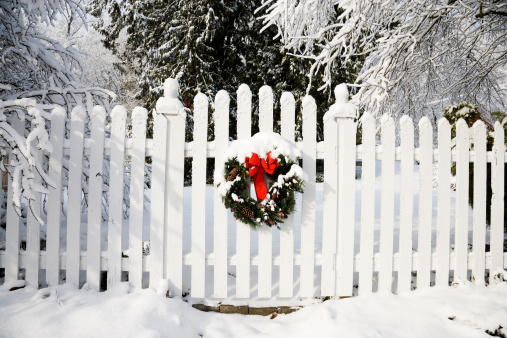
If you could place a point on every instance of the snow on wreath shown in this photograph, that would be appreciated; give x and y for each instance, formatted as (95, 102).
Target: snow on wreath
(272, 163)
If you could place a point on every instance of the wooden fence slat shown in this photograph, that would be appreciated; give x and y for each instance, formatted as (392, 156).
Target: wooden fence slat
(139, 117)
(497, 200)
(157, 236)
(346, 206)
(406, 204)
(387, 204)
(367, 204)
(329, 207)
(12, 218)
(94, 233)
(198, 230)
(115, 224)
(425, 203)
(33, 226)
(77, 124)
(444, 202)
(479, 213)
(222, 101)
(288, 117)
(243, 230)
(55, 197)
(461, 227)
(309, 157)
(265, 232)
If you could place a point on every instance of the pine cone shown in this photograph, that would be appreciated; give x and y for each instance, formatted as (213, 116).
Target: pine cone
(274, 197)
(247, 212)
(232, 174)
(271, 223)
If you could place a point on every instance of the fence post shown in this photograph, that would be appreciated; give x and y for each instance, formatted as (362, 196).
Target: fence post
(171, 107)
(345, 112)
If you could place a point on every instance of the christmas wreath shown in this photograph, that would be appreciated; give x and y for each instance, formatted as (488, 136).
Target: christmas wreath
(271, 162)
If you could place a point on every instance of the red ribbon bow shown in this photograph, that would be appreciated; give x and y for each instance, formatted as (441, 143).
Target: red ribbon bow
(256, 167)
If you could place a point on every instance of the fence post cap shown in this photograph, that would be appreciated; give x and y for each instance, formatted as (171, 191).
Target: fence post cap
(342, 108)
(171, 87)
(341, 93)
(169, 104)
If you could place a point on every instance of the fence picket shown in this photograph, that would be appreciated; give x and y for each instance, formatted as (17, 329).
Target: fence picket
(98, 119)
(198, 228)
(157, 200)
(387, 203)
(55, 197)
(115, 225)
(497, 200)
(77, 124)
(444, 202)
(139, 117)
(330, 202)
(367, 204)
(309, 157)
(12, 218)
(425, 203)
(406, 204)
(175, 155)
(265, 232)
(243, 230)
(479, 213)
(33, 227)
(288, 125)
(346, 206)
(222, 101)
(461, 228)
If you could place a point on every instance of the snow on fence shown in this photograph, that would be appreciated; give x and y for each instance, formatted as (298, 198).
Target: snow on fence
(335, 245)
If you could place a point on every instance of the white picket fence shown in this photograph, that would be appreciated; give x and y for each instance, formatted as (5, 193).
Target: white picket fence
(339, 265)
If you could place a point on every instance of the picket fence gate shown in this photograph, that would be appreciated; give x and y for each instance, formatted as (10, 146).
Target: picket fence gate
(338, 260)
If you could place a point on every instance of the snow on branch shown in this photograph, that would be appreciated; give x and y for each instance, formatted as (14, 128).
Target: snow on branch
(418, 56)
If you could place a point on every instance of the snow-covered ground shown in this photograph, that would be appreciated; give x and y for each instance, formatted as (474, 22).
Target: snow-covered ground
(465, 310)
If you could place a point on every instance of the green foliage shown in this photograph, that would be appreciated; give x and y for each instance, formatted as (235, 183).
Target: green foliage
(271, 211)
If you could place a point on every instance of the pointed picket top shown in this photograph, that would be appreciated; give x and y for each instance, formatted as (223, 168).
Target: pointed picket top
(386, 120)
(287, 99)
(169, 104)
(406, 120)
(461, 124)
(265, 109)
(424, 122)
(78, 113)
(342, 108)
(443, 123)
(366, 117)
(222, 98)
(119, 112)
(59, 111)
(479, 126)
(98, 112)
(201, 100)
(139, 115)
(309, 105)
(244, 100)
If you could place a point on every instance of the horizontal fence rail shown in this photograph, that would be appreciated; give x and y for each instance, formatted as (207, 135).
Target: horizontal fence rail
(109, 219)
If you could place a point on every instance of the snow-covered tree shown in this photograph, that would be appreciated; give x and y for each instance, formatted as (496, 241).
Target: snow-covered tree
(34, 65)
(419, 55)
(37, 75)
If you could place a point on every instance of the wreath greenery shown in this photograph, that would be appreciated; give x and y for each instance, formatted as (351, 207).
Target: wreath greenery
(286, 179)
